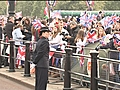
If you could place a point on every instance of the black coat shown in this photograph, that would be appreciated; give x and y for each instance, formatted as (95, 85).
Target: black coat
(0, 32)
(28, 35)
(41, 53)
(73, 32)
(9, 28)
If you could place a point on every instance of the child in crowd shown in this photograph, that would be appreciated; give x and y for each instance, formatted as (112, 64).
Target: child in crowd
(80, 40)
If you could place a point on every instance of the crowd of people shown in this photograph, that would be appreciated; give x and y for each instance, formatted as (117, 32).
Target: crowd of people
(65, 31)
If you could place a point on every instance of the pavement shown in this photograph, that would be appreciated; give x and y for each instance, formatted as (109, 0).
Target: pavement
(18, 76)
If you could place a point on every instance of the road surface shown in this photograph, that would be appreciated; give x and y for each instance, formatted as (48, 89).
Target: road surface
(7, 84)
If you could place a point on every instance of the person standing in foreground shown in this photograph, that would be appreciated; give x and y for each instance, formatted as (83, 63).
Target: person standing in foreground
(41, 59)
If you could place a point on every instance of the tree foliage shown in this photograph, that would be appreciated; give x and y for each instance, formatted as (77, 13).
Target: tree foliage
(36, 8)
(112, 5)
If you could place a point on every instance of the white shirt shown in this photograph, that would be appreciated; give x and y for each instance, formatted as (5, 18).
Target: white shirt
(80, 43)
(17, 35)
(57, 40)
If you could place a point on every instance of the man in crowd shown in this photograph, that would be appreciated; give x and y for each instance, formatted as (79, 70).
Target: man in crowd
(7, 36)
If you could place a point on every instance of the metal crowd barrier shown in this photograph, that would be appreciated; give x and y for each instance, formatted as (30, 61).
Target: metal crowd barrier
(94, 79)
(12, 58)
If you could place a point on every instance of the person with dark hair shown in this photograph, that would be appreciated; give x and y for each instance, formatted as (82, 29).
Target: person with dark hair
(41, 60)
(108, 30)
(18, 21)
(1, 31)
(9, 27)
(7, 36)
(74, 28)
(27, 29)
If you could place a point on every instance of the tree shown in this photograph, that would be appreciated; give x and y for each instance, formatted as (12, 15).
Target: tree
(25, 6)
(112, 5)
(3, 8)
(38, 8)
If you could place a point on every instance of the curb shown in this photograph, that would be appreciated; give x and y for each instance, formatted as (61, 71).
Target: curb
(18, 81)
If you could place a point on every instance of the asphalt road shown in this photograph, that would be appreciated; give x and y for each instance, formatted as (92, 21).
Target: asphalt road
(7, 84)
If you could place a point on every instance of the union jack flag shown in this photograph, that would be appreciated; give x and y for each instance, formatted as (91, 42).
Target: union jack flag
(117, 41)
(91, 36)
(37, 24)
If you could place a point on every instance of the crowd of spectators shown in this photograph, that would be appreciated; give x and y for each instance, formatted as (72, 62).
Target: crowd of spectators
(80, 31)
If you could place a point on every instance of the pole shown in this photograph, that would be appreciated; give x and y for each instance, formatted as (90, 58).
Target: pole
(0, 55)
(11, 64)
(11, 7)
(94, 82)
(67, 75)
(27, 57)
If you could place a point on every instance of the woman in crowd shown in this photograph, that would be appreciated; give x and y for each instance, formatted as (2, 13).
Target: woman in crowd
(101, 33)
(80, 40)
(27, 29)
(55, 41)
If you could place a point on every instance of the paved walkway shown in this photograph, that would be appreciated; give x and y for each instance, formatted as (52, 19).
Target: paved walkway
(18, 76)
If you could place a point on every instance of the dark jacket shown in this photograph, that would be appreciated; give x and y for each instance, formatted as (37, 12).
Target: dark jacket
(9, 28)
(41, 53)
(28, 35)
(110, 45)
(73, 32)
(0, 32)
(112, 54)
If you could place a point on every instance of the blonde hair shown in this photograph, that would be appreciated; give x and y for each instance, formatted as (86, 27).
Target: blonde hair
(80, 35)
(98, 35)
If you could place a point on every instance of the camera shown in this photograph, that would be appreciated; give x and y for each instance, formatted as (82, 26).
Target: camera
(64, 34)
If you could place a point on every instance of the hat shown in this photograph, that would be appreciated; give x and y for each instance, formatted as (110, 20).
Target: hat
(44, 29)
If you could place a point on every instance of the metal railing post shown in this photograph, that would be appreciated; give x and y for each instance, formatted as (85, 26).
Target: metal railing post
(11, 64)
(27, 57)
(0, 55)
(67, 75)
(94, 82)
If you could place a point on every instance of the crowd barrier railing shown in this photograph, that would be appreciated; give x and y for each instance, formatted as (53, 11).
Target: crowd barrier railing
(94, 79)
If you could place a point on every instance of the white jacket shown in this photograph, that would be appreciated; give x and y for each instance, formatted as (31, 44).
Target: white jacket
(17, 35)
